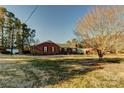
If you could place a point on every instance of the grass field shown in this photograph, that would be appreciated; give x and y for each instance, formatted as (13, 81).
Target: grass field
(62, 71)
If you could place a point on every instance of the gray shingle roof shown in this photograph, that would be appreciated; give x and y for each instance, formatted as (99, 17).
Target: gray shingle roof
(66, 46)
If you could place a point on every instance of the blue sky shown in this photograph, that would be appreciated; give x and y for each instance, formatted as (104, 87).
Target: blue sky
(56, 23)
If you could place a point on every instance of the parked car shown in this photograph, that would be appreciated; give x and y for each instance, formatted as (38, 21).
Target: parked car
(15, 51)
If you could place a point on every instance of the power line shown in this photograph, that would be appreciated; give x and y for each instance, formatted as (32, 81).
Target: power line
(34, 10)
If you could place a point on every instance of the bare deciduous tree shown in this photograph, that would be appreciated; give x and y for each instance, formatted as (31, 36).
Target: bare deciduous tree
(102, 28)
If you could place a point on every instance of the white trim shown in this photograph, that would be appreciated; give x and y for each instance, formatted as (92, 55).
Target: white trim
(53, 49)
(45, 49)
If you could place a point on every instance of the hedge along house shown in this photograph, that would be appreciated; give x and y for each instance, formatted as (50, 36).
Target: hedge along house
(51, 48)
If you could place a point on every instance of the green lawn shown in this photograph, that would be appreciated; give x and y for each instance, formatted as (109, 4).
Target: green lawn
(72, 71)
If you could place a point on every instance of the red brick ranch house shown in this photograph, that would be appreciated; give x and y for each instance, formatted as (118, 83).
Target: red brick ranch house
(51, 48)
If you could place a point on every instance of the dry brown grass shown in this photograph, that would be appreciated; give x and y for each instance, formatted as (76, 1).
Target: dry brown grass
(72, 71)
(112, 75)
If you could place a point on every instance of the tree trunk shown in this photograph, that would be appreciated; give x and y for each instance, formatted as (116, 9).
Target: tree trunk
(100, 54)
(2, 37)
(12, 42)
(22, 48)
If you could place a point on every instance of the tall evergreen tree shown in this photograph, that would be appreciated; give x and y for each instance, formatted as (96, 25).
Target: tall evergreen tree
(13, 33)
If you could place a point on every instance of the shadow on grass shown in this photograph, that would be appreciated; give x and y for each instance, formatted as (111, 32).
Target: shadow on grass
(44, 72)
(60, 70)
(113, 60)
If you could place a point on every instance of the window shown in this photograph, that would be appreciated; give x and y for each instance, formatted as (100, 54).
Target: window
(65, 49)
(60, 49)
(45, 49)
(74, 50)
(53, 49)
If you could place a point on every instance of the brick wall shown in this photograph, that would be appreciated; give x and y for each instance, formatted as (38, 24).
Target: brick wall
(40, 48)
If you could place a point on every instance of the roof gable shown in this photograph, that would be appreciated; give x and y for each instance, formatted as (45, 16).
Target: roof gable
(49, 41)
